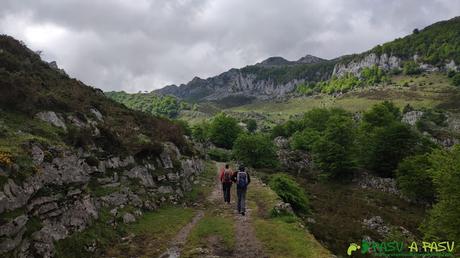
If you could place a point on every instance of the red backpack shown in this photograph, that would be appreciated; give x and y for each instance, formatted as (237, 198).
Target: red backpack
(227, 176)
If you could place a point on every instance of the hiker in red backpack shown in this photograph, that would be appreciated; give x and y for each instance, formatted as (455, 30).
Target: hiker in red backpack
(226, 175)
(242, 179)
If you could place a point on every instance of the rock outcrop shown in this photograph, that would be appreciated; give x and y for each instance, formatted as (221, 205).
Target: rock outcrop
(66, 194)
(293, 160)
(355, 67)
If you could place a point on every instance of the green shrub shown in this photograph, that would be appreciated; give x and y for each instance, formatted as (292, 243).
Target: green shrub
(456, 79)
(373, 75)
(251, 125)
(220, 155)
(256, 150)
(411, 68)
(289, 191)
(414, 178)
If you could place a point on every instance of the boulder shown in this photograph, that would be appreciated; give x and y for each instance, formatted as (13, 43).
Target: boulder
(128, 218)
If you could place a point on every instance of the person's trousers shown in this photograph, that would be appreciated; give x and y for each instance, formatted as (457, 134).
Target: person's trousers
(226, 189)
(241, 192)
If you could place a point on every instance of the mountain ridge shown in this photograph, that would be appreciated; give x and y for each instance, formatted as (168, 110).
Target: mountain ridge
(276, 76)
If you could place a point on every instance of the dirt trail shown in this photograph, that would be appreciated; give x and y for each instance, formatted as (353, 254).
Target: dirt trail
(181, 238)
(247, 245)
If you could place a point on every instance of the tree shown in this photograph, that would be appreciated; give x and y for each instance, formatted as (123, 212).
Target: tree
(251, 125)
(382, 114)
(224, 130)
(333, 151)
(305, 139)
(256, 150)
(414, 178)
(200, 132)
(415, 31)
(389, 145)
(443, 221)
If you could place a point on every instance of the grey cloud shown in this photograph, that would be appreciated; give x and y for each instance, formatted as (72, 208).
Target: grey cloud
(142, 45)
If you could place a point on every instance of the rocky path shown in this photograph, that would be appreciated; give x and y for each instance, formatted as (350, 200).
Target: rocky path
(247, 245)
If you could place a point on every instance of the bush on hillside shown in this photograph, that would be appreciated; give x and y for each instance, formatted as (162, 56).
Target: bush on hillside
(220, 155)
(411, 68)
(414, 179)
(290, 191)
(456, 79)
(251, 125)
(256, 150)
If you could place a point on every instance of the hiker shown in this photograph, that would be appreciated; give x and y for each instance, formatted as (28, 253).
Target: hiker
(242, 180)
(226, 175)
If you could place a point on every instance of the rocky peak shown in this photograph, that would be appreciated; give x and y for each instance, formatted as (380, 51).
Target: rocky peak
(309, 59)
(274, 61)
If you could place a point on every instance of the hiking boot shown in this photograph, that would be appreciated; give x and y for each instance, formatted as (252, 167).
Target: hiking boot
(243, 213)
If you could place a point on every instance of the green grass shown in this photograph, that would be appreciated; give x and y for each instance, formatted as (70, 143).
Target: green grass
(280, 236)
(429, 90)
(152, 233)
(100, 231)
(17, 129)
(212, 230)
(205, 184)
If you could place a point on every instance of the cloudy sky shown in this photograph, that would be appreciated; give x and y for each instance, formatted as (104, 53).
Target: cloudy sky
(137, 45)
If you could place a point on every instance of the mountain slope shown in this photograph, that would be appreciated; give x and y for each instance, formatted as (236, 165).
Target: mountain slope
(435, 48)
(71, 159)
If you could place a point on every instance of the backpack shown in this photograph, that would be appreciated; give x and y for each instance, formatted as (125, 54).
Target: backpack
(242, 179)
(227, 176)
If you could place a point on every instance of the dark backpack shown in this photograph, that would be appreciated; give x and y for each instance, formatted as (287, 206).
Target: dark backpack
(242, 179)
(227, 176)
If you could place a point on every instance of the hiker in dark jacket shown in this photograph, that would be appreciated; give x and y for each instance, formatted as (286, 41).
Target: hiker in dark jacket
(242, 179)
(226, 176)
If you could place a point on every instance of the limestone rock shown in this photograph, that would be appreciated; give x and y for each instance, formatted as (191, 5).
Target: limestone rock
(52, 118)
(97, 114)
(412, 117)
(14, 226)
(141, 173)
(128, 218)
(376, 223)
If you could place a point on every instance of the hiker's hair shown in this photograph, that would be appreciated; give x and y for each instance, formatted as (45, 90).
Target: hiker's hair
(227, 166)
(241, 168)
